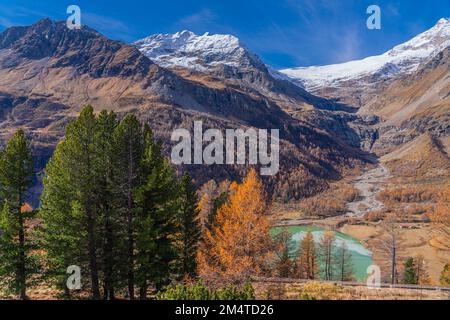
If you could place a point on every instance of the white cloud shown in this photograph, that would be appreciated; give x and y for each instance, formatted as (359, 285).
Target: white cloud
(6, 22)
(204, 16)
(12, 15)
(114, 27)
(348, 46)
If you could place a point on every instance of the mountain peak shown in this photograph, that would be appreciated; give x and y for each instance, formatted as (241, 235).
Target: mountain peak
(44, 21)
(443, 21)
(196, 52)
(402, 59)
(184, 34)
(85, 49)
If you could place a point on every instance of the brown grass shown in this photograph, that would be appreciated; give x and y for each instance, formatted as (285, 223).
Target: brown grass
(330, 291)
(417, 238)
(330, 203)
(411, 194)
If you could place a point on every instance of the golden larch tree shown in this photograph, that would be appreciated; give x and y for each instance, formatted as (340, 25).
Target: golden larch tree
(440, 218)
(326, 246)
(204, 207)
(239, 245)
(308, 267)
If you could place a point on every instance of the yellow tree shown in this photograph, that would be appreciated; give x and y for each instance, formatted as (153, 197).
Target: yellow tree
(204, 207)
(421, 270)
(441, 217)
(445, 275)
(284, 265)
(307, 258)
(239, 243)
(326, 247)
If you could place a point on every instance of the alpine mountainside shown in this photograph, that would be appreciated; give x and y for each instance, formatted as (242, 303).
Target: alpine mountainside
(224, 59)
(415, 104)
(406, 90)
(354, 81)
(406, 94)
(48, 72)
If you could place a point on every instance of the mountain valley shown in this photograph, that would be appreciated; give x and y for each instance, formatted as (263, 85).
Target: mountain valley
(364, 158)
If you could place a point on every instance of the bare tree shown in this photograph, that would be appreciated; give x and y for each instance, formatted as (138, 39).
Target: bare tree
(389, 244)
(421, 270)
(326, 246)
(344, 263)
(284, 263)
(440, 218)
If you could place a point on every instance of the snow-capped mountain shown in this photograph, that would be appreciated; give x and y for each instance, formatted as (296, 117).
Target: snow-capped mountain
(402, 59)
(226, 59)
(196, 52)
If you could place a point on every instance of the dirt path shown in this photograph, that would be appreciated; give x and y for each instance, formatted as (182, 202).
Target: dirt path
(368, 184)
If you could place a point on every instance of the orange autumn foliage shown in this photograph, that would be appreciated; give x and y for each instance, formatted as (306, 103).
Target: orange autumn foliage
(410, 194)
(204, 207)
(239, 244)
(441, 214)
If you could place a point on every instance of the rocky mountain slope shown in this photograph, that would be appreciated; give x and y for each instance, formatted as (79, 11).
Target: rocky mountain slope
(415, 104)
(215, 59)
(48, 72)
(405, 91)
(223, 61)
(423, 159)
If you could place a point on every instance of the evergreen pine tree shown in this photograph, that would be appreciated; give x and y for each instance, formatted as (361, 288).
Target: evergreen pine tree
(16, 172)
(409, 275)
(109, 224)
(128, 176)
(155, 220)
(189, 230)
(62, 230)
(70, 206)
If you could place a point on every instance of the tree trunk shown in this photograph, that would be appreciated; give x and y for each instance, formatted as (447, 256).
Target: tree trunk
(186, 270)
(130, 257)
(92, 256)
(130, 226)
(21, 276)
(328, 262)
(66, 290)
(313, 263)
(108, 291)
(393, 263)
(143, 292)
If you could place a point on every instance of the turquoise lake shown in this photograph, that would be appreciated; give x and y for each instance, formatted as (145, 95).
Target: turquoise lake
(361, 256)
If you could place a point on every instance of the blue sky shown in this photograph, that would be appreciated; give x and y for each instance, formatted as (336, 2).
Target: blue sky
(285, 33)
